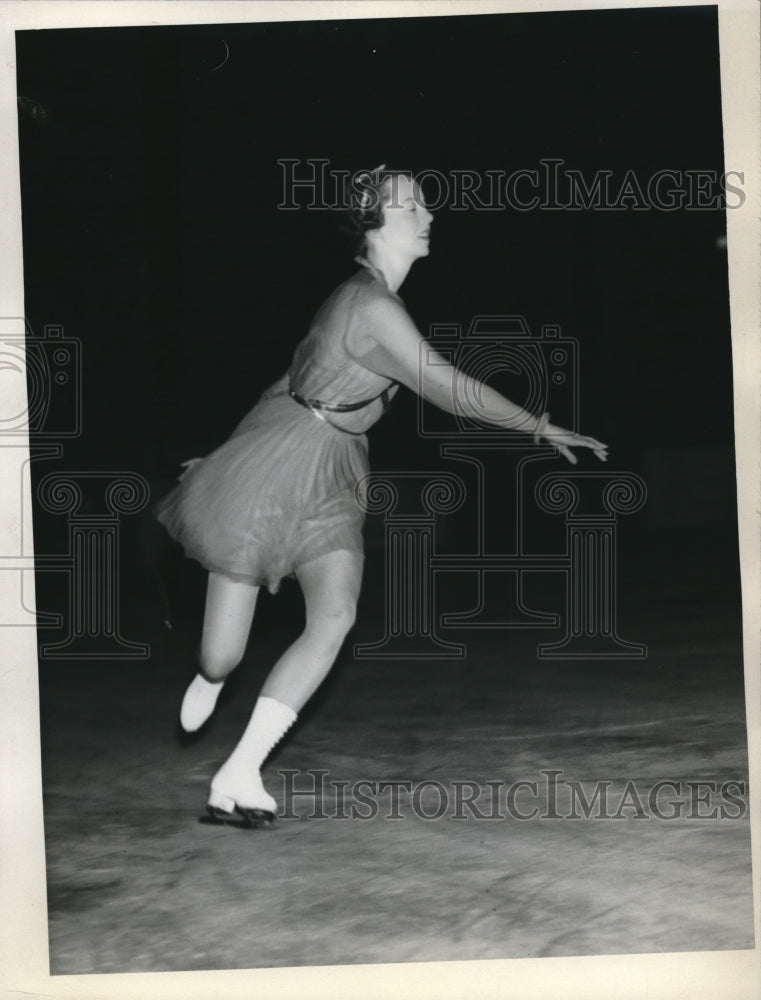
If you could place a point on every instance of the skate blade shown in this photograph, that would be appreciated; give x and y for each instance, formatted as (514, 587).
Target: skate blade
(243, 819)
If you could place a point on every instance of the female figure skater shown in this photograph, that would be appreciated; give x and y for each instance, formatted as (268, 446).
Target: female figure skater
(278, 498)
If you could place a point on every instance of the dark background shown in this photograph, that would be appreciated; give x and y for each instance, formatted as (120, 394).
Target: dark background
(151, 232)
(150, 187)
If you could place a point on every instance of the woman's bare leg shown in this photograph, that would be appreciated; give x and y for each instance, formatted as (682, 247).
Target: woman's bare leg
(331, 587)
(227, 621)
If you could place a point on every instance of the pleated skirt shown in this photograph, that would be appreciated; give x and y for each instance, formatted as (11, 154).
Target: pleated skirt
(279, 492)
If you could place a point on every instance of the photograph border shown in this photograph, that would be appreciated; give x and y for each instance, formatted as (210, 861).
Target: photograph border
(23, 911)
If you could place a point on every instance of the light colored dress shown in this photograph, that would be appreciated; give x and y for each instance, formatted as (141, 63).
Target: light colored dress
(282, 489)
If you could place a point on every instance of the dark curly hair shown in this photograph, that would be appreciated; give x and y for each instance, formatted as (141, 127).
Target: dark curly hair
(362, 206)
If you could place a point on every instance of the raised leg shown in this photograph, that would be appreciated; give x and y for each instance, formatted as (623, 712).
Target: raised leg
(227, 621)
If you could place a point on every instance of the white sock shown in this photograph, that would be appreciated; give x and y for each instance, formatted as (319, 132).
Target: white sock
(198, 703)
(238, 780)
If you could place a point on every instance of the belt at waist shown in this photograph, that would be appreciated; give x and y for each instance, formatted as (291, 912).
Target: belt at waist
(316, 406)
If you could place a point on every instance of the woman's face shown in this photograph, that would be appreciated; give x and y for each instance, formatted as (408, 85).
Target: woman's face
(406, 220)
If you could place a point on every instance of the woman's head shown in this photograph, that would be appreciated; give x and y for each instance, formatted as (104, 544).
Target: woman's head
(387, 207)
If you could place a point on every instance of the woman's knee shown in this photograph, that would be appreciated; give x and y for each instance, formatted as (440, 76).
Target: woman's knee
(217, 663)
(334, 619)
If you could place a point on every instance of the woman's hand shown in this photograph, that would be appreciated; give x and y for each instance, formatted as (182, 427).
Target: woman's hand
(565, 440)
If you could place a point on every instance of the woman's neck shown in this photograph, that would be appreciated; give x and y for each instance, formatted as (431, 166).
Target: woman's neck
(392, 268)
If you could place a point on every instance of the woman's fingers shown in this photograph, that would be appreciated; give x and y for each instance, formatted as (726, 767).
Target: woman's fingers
(579, 441)
(600, 449)
(564, 440)
(594, 443)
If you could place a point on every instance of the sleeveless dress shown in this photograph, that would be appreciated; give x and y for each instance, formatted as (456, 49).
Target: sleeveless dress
(282, 490)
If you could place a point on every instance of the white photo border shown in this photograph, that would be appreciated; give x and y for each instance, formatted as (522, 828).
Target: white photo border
(23, 911)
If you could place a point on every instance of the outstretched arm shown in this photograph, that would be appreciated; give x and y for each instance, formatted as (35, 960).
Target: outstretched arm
(394, 348)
